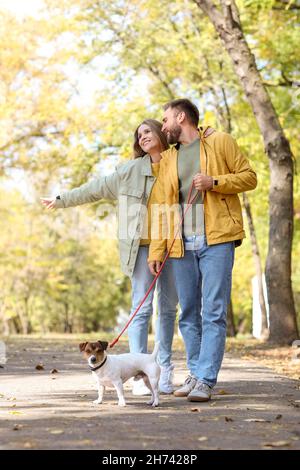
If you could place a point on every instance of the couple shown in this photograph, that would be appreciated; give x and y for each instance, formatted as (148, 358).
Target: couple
(200, 265)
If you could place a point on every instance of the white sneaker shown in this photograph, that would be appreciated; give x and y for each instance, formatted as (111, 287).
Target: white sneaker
(201, 392)
(186, 388)
(139, 388)
(166, 380)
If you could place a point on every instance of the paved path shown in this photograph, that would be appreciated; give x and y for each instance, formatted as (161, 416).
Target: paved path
(252, 407)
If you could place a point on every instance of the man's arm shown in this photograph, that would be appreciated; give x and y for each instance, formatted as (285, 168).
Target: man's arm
(241, 177)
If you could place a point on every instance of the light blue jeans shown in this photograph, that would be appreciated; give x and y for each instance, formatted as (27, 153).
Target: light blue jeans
(203, 281)
(167, 304)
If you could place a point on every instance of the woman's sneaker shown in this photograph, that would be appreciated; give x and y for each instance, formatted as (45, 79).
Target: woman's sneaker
(186, 388)
(201, 392)
(139, 388)
(166, 380)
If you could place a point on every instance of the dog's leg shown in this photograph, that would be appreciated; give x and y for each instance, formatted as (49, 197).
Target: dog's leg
(148, 385)
(119, 387)
(154, 388)
(101, 390)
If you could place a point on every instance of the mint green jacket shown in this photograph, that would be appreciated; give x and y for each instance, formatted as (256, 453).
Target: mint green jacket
(130, 184)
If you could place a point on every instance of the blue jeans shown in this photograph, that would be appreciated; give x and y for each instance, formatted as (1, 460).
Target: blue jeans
(167, 304)
(203, 282)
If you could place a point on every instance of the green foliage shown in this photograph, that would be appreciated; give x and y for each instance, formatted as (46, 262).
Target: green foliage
(53, 279)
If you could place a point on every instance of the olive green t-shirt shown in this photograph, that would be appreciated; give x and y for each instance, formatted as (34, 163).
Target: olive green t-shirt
(188, 166)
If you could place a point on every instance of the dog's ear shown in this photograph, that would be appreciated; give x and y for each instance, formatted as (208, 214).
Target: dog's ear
(103, 344)
(82, 346)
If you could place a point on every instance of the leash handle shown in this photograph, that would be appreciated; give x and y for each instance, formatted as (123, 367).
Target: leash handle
(189, 203)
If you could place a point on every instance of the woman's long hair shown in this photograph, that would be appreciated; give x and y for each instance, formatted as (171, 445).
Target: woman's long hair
(155, 127)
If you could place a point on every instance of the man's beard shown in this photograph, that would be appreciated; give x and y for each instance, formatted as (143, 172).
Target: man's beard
(174, 134)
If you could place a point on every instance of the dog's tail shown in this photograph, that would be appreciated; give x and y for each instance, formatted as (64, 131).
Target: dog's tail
(155, 350)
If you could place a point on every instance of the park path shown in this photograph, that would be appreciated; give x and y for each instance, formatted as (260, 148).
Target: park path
(252, 407)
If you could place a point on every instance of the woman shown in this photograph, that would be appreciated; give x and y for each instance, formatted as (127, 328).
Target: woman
(132, 184)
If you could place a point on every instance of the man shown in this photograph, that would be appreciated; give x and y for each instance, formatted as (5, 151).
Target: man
(203, 256)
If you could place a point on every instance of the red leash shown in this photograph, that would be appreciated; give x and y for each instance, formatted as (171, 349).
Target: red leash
(189, 203)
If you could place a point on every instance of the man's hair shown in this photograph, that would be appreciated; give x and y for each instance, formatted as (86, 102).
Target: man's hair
(191, 111)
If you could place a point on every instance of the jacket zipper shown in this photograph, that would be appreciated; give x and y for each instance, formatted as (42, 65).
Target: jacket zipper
(223, 199)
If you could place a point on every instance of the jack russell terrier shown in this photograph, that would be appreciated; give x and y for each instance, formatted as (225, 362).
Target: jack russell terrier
(117, 369)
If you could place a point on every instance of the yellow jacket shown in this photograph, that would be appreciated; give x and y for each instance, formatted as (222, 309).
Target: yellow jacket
(220, 158)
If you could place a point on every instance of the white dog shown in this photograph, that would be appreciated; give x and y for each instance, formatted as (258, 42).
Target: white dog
(116, 369)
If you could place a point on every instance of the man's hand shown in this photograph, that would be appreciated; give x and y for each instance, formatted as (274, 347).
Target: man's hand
(203, 182)
(48, 202)
(154, 267)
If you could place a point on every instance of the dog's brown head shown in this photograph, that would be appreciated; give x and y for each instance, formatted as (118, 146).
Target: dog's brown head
(94, 352)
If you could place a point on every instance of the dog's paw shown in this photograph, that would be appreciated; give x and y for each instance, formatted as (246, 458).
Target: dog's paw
(97, 402)
(121, 403)
(155, 404)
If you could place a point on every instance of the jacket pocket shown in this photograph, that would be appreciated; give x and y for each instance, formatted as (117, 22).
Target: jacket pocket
(134, 192)
(228, 210)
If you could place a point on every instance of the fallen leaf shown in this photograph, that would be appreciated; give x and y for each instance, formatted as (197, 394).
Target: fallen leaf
(256, 420)
(54, 371)
(202, 438)
(223, 392)
(39, 367)
(194, 410)
(57, 431)
(15, 412)
(82, 396)
(228, 419)
(29, 445)
(277, 444)
(1, 396)
(294, 403)
(11, 399)
(17, 427)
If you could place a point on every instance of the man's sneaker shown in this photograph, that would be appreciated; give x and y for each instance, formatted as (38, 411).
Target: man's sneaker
(166, 380)
(201, 392)
(186, 388)
(139, 388)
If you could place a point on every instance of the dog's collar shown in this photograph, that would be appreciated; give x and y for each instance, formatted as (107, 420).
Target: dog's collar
(98, 367)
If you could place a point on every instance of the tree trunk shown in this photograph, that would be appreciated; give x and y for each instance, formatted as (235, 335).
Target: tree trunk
(67, 325)
(257, 261)
(23, 317)
(231, 330)
(283, 325)
(5, 322)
